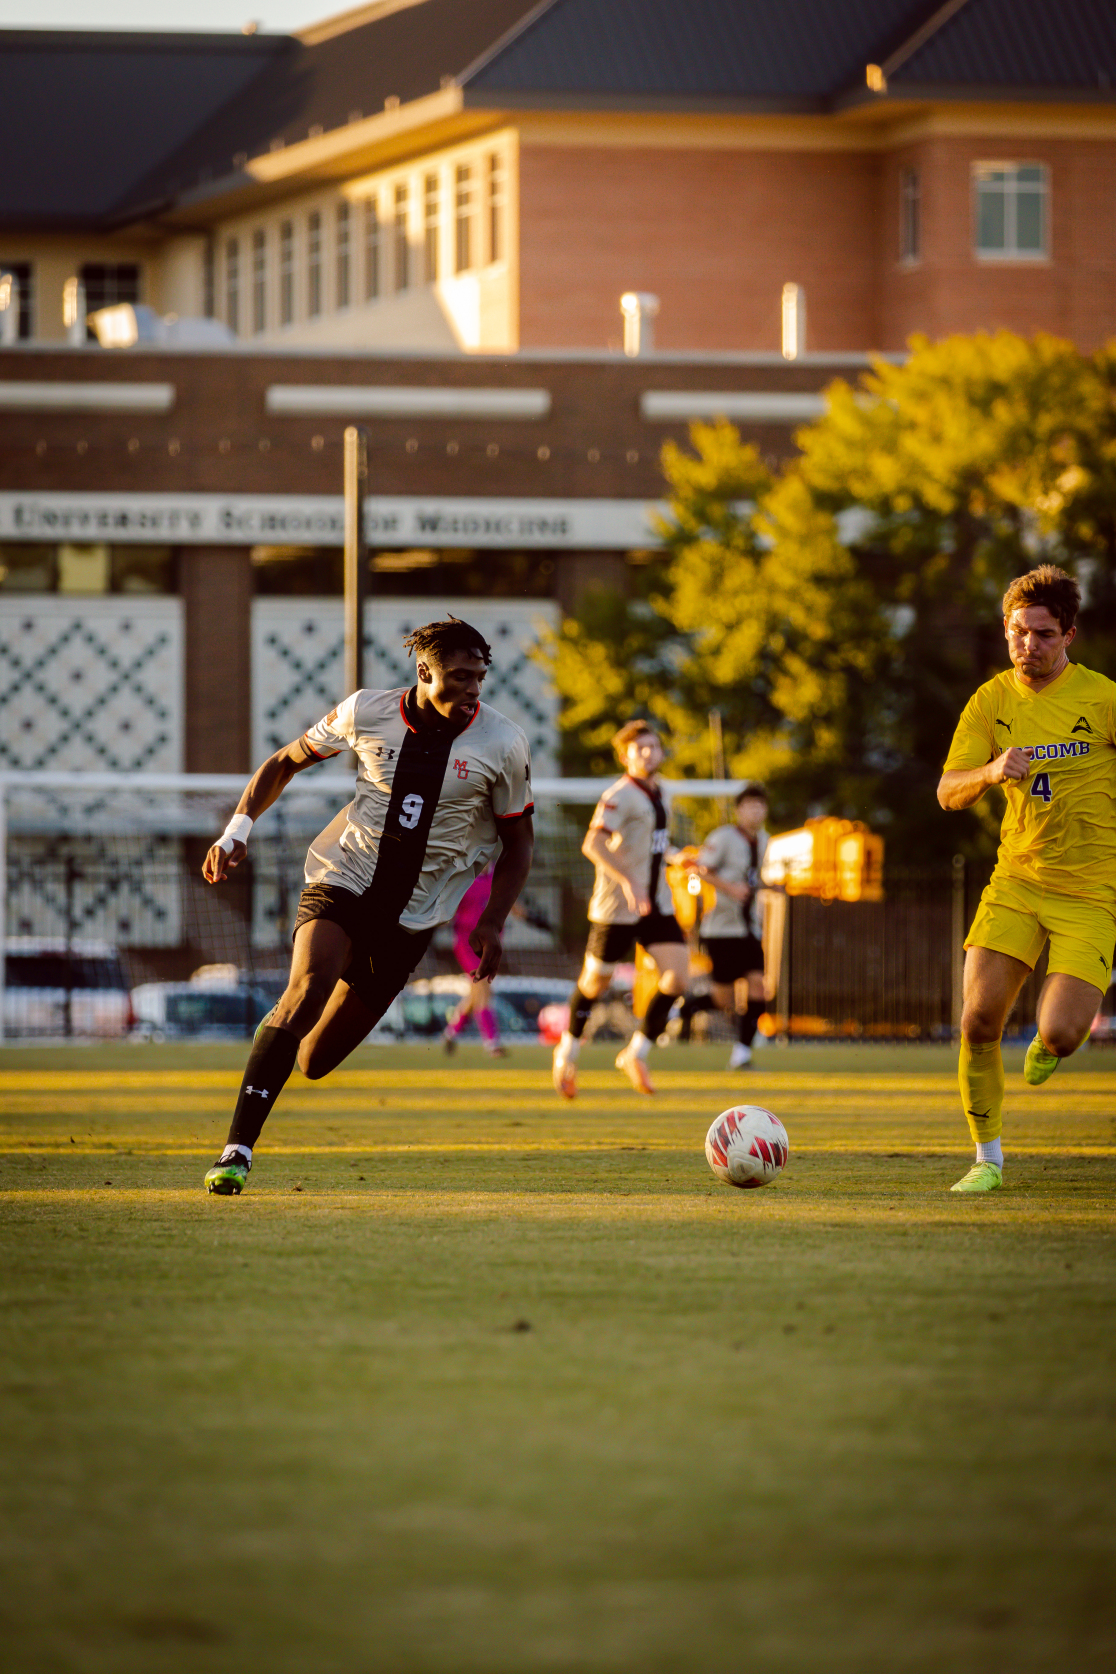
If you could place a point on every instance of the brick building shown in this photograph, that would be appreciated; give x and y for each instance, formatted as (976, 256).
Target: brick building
(428, 174)
(421, 215)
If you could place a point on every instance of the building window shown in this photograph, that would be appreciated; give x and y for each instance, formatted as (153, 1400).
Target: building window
(463, 244)
(910, 216)
(209, 279)
(371, 249)
(23, 278)
(109, 282)
(1011, 210)
(432, 204)
(232, 285)
(344, 258)
(314, 263)
(286, 272)
(402, 247)
(259, 280)
(496, 201)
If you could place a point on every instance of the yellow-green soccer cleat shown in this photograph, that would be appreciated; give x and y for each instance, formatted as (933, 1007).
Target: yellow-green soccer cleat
(1039, 1064)
(227, 1179)
(982, 1177)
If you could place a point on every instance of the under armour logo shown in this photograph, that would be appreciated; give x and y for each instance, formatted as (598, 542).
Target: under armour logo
(462, 769)
(1081, 725)
(262, 1091)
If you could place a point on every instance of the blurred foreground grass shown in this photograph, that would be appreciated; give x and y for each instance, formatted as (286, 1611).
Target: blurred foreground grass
(470, 1379)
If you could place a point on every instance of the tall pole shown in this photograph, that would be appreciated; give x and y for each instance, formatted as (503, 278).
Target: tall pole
(356, 555)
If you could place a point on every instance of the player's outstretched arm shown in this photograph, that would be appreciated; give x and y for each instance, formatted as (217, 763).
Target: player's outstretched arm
(264, 787)
(962, 786)
(517, 845)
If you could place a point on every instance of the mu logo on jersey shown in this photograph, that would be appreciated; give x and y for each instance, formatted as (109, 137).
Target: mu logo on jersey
(462, 769)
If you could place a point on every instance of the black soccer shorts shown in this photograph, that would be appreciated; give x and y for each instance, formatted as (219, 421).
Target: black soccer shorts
(383, 956)
(733, 957)
(610, 943)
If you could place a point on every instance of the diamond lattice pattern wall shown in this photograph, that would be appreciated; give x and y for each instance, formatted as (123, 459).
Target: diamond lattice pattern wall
(297, 661)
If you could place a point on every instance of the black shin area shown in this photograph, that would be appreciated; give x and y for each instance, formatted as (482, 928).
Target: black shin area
(580, 1008)
(657, 1013)
(270, 1062)
(747, 1022)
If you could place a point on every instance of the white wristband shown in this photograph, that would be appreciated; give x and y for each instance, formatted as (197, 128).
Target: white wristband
(235, 832)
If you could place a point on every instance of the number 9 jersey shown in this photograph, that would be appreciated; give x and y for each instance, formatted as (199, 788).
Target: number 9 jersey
(1059, 827)
(424, 821)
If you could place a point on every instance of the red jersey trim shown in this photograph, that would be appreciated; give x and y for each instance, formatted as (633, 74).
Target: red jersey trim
(317, 754)
(530, 809)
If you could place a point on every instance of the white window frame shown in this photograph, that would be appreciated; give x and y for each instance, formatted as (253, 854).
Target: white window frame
(910, 217)
(372, 240)
(288, 272)
(259, 280)
(1011, 189)
(343, 254)
(315, 264)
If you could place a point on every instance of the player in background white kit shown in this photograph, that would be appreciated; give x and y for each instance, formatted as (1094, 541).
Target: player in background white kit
(627, 842)
(732, 934)
(443, 788)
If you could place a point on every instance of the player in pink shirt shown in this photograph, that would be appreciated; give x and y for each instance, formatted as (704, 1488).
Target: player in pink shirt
(477, 1001)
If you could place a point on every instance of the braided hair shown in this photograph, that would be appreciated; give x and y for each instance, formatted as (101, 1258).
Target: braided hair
(437, 640)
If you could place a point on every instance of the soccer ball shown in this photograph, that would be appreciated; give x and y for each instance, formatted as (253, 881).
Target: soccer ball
(747, 1146)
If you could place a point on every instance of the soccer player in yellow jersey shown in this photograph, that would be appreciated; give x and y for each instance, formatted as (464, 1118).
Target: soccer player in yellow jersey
(1046, 732)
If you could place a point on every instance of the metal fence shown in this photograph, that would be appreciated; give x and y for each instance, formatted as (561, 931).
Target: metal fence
(103, 892)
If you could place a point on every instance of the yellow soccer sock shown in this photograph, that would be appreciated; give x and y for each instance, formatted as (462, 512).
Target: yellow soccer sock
(980, 1075)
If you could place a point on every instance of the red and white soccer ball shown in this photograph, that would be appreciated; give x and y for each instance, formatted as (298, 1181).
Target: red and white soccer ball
(747, 1146)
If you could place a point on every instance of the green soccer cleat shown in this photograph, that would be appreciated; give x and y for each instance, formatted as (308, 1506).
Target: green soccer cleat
(227, 1179)
(982, 1177)
(1039, 1064)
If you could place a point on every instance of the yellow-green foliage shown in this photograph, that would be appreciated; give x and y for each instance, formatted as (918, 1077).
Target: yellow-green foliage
(840, 615)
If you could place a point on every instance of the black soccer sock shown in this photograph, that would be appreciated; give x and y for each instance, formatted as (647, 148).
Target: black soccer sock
(270, 1062)
(580, 1008)
(658, 1011)
(747, 1022)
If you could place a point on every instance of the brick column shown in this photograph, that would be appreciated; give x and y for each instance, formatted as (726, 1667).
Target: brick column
(579, 573)
(216, 587)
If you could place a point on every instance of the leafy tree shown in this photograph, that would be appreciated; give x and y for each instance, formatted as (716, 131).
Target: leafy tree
(840, 616)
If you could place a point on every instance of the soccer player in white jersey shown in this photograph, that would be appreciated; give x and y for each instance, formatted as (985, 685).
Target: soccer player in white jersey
(732, 934)
(1045, 732)
(443, 786)
(627, 842)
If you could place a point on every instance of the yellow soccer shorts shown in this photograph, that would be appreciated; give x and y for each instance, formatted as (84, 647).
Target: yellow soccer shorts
(1016, 918)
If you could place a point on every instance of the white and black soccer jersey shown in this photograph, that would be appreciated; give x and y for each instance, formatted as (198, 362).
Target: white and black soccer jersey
(738, 859)
(634, 815)
(424, 821)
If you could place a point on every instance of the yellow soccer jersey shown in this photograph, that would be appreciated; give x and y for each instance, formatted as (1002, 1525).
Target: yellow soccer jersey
(1059, 829)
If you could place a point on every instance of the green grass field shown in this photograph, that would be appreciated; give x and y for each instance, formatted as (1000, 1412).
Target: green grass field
(472, 1380)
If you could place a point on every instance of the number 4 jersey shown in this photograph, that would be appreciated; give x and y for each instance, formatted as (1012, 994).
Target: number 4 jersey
(1059, 828)
(424, 821)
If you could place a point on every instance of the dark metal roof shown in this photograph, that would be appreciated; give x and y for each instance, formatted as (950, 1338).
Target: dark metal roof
(403, 55)
(741, 51)
(1019, 44)
(101, 129)
(795, 54)
(82, 115)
